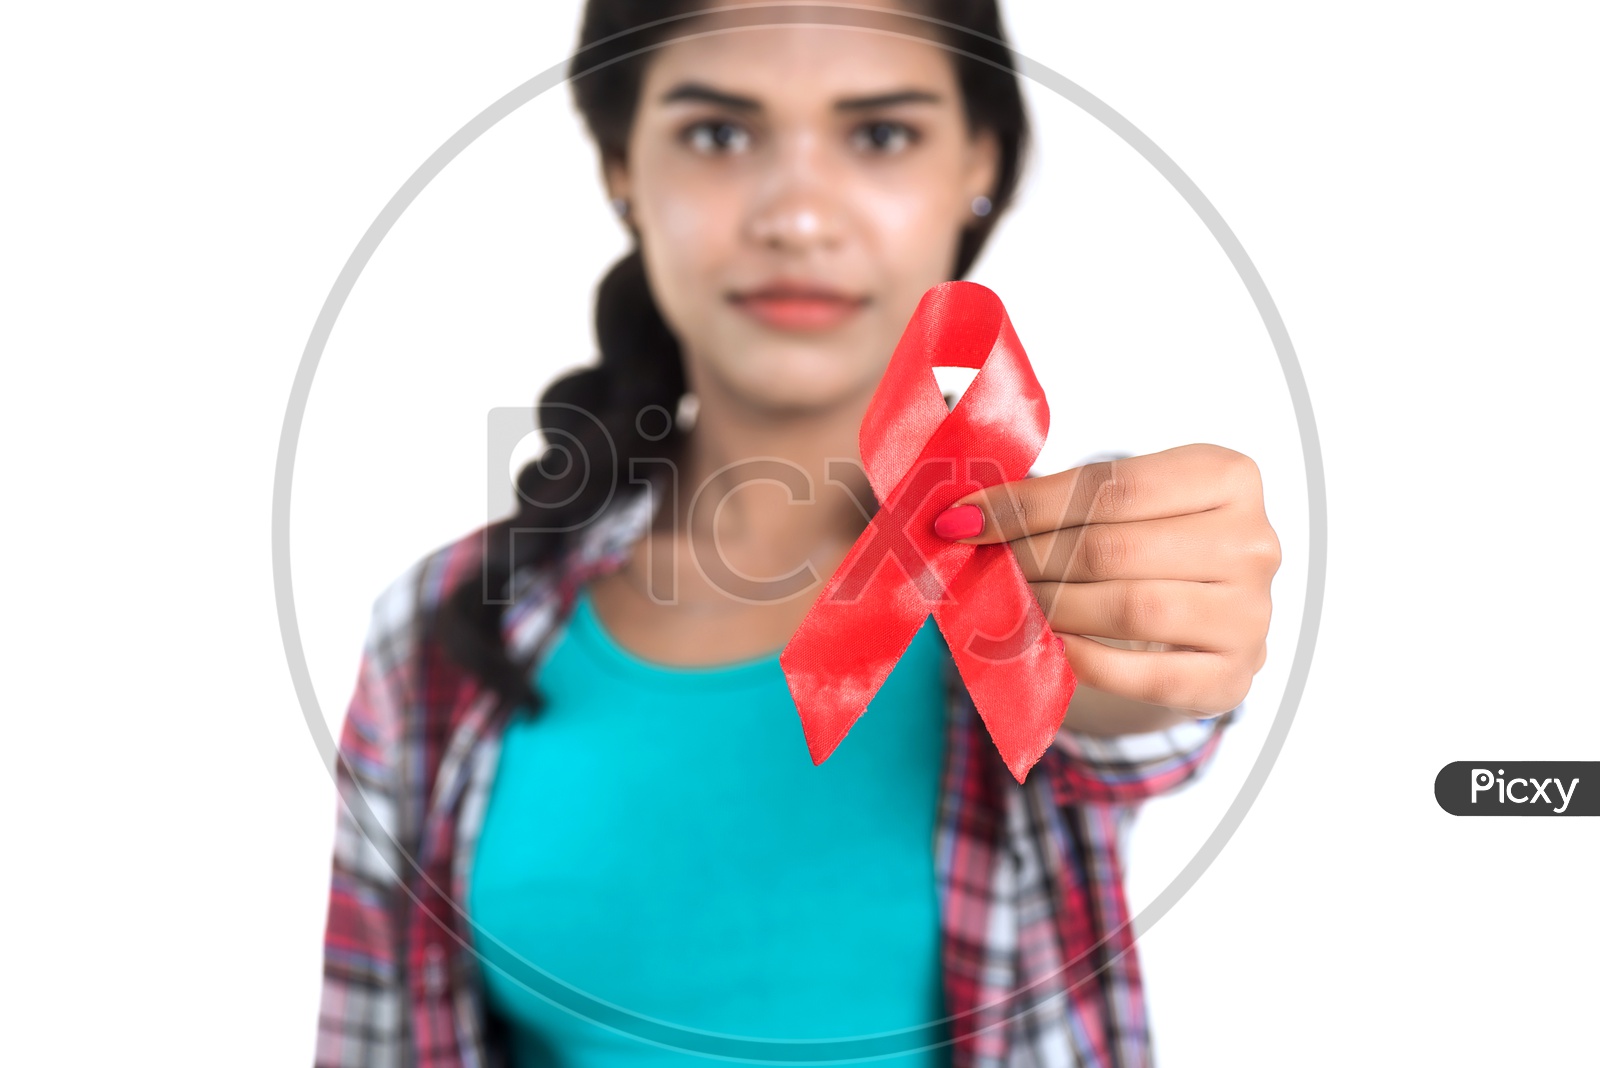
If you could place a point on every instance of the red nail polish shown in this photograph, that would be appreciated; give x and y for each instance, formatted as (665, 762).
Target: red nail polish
(953, 524)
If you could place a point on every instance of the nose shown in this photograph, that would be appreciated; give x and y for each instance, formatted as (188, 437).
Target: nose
(797, 208)
(794, 224)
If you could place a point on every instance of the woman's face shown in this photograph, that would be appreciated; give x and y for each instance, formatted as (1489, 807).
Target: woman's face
(796, 189)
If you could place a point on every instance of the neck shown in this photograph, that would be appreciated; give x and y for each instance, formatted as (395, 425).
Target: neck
(770, 491)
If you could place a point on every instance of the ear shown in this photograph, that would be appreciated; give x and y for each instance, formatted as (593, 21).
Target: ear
(983, 164)
(614, 171)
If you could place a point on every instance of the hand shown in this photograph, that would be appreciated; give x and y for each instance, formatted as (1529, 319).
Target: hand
(1171, 552)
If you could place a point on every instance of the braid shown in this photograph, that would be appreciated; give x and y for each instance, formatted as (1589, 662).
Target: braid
(590, 421)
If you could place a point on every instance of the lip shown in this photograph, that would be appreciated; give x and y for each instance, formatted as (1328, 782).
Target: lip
(797, 306)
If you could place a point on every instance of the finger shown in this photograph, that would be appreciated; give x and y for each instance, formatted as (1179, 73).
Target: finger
(1209, 616)
(1202, 682)
(1192, 478)
(1209, 547)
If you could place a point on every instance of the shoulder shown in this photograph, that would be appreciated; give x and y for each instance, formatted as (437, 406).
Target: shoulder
(406, 678)
(407, 609)
(406, 614)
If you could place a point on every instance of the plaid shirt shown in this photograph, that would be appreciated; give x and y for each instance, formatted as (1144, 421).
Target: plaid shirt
(1036, 945)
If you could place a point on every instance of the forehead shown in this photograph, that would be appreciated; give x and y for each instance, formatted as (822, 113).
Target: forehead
(791, 62)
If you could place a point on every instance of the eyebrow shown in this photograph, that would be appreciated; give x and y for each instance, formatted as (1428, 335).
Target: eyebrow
(697, 92)
(888, 100)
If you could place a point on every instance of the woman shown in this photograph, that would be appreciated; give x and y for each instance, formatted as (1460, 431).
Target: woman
(582, 827)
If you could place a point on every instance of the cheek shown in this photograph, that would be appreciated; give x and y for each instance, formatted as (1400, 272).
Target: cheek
(913, 234)
(687, 241)
(690, 226)
(911, 214)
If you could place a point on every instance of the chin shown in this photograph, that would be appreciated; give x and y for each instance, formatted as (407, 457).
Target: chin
(794, 387)
(782, 396)
(804, 377)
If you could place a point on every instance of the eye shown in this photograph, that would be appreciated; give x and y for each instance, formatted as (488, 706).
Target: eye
(714, 137)
(885, 137)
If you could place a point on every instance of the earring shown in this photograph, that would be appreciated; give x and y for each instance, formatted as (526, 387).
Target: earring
(688, 411)
(982, 206)
(619, 207)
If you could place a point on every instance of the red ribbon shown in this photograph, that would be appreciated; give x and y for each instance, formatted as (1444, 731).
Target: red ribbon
(920, 458)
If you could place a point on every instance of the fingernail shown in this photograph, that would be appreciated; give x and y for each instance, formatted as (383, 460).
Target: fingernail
(965, 521)
(1061, 643)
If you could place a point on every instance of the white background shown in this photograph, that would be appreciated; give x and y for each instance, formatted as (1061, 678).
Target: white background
(1413, 181)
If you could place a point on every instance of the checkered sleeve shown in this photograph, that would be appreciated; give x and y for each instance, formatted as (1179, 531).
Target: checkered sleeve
(362, 1019)
(1128, 768)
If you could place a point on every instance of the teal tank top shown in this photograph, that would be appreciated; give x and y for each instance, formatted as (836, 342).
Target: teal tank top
(658, 839)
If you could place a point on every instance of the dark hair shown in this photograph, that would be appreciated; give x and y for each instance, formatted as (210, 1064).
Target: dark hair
(595, 413)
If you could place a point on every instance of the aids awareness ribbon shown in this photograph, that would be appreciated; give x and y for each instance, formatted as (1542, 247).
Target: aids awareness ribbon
(920, 457)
